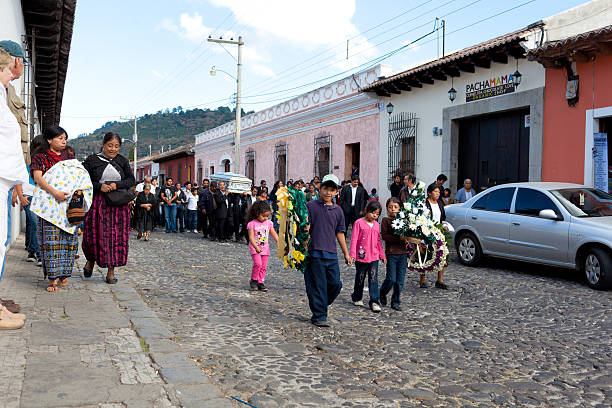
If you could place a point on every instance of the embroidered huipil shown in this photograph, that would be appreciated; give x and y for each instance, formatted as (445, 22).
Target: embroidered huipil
(67, 176)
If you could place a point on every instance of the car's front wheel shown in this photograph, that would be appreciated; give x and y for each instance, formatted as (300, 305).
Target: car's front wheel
(597, 267)
(468, 249)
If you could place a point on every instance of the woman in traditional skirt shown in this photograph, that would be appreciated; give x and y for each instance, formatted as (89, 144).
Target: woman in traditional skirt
(57, 247)
(145, 205)
(107, 228)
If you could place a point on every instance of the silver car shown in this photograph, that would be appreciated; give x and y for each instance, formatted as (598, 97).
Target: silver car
(560, 224)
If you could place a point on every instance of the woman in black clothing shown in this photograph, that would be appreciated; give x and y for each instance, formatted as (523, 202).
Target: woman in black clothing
(436, 211)
(145, 216)
(107, 228)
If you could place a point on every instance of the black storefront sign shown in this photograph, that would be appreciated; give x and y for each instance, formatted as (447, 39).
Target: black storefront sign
(500, 85)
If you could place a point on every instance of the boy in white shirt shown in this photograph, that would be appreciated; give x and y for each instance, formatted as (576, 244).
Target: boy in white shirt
(192, 210)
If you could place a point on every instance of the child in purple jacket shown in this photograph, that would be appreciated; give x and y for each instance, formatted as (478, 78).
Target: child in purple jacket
(367, 250)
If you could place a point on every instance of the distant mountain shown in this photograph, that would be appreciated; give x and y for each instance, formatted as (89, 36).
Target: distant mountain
(170, 128)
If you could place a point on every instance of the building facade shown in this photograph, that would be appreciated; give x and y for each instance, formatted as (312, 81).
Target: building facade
(492, 129)
(488, 130)
(177, 163)
(578, 108)
(44, 30)
(319, 132)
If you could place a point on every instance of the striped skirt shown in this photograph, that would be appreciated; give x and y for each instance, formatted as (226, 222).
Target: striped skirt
(106, 233)
(57, 249)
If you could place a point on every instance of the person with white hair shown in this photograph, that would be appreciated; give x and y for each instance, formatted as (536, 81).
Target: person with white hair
(465, 193)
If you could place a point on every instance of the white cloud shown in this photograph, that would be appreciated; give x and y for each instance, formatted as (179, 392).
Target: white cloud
(305, 24)
(190, 27)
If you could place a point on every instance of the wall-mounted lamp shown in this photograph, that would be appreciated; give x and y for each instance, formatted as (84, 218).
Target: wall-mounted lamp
(517, 76)
(213, 71)
(437, 131)
(452, 93)
(389, 108)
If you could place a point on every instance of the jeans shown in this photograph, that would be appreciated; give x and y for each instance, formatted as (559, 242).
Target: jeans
(396, 274)
(369, 270)
(323, 285)
(31, 222)
(180, 217)
(170, 214)
(192, 220)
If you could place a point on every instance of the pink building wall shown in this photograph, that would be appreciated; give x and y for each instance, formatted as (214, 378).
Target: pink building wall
(337, 109)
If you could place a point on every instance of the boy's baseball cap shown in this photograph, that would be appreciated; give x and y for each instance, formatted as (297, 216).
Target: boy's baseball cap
(331, 179)
(13, 48)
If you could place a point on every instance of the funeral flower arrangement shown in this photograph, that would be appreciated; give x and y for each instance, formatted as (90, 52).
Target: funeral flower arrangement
(293, 234)
(426, 240)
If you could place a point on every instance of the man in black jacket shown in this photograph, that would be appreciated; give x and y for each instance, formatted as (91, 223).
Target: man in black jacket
(221, 212)
(353, 199)
(202, 220)
(207, 209)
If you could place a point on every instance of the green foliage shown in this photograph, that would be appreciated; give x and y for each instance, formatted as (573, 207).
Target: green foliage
(170, 127)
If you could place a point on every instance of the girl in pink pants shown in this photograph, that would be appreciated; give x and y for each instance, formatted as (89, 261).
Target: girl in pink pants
(259, 227)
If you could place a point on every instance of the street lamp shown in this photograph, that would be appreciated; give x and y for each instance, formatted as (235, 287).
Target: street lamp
(389, 108)
(517, 76)
(238, 78)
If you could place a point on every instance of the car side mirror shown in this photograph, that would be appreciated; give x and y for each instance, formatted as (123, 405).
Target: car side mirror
(548, 215)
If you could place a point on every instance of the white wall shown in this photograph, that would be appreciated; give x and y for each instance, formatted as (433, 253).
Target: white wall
(428, 103)
(12, 28)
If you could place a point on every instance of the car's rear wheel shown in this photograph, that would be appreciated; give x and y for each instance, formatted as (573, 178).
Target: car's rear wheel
(597, 267)
(468, 249)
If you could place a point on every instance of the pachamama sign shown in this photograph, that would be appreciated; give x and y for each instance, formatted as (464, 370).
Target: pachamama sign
(500, 85)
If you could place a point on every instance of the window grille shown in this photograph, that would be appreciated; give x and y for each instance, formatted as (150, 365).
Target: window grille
(402, 144)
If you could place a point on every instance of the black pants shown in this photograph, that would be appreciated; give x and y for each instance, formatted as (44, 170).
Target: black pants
(221, 228)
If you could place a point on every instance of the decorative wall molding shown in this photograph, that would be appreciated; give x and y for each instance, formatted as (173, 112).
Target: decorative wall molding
(315, 99)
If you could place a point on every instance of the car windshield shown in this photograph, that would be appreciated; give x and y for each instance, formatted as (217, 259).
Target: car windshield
(585, 202)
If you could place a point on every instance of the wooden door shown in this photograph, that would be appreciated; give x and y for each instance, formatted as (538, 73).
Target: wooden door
(494, 149)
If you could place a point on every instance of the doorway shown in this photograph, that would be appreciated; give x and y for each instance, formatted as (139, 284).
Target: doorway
(352, 153)
(226, 166)
(494, 149)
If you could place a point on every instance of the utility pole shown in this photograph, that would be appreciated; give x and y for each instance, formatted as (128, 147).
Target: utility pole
(443, 36)
(135, 146)
(239, 43)
(135, 141)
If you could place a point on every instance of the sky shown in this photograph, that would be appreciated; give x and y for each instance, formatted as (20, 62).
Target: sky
(132, 57)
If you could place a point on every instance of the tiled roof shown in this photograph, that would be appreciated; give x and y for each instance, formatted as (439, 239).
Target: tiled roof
(581, 42)
(456, 57)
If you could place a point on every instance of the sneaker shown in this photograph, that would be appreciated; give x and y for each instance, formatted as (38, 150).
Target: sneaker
(396, 307)
(253, 285)
(38, 261)
(441, 285)
(383, 300)
(31, 257)
(358, 303)
(322, 323)
(375, 307)
(261, 287)
(423, 285)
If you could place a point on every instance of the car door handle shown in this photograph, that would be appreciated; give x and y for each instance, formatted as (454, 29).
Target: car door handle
(516, 223)
(474, 218)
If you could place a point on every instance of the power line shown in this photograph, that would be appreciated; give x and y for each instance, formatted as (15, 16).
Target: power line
(387, 40)
(379, 59)
(265, 81)
(172, 76)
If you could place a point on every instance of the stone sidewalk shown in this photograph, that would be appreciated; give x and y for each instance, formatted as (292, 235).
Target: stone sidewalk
(92, 345)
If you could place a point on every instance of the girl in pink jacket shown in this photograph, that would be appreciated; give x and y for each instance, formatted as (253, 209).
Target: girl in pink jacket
(367, 250)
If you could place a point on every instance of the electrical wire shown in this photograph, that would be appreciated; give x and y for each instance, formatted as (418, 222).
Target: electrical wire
(282, 75)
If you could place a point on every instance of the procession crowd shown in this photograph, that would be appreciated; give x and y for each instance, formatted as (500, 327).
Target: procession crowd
(100, 199)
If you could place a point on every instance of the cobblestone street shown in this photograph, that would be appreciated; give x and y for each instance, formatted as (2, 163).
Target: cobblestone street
(504, 334)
